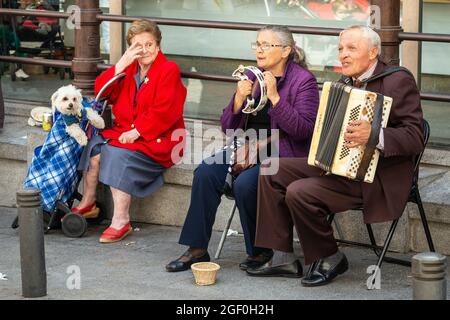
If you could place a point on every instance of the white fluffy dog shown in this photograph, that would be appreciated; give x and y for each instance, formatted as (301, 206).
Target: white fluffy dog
(67, 100)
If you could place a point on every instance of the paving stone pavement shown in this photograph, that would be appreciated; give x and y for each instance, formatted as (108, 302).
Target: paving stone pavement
(134, 269)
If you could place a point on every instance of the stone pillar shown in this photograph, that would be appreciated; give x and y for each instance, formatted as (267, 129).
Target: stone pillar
(410, 23)
(87, 46)
(115, 31)
(389, 29)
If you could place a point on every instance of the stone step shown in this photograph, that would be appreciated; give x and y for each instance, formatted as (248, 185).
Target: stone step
(22, 109)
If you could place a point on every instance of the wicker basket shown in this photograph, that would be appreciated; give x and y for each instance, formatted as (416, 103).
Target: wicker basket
(205, 273)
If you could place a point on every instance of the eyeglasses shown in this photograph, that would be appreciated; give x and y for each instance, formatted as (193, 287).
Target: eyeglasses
(264, 46)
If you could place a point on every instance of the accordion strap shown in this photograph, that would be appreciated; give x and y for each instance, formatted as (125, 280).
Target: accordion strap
(373, 139)
(387, 72)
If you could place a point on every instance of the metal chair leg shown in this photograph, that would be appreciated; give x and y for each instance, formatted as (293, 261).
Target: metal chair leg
(338, 229)
(381, 256)
(424, 220)
(372, 239)
(387, 242)
(225, 232)
(379, 250)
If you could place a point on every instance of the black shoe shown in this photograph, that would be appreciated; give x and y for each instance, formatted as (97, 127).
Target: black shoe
(253, 264)
(289, 270)
(250, 264)
(325, 271)
(178, 265)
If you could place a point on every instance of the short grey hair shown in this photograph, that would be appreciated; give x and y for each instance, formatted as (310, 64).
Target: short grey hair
(369, 34)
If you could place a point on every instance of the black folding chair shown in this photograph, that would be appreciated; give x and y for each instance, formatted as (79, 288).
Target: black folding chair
(414, 196)
(225, 231)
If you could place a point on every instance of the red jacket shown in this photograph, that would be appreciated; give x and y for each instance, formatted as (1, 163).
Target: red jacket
(156, 112)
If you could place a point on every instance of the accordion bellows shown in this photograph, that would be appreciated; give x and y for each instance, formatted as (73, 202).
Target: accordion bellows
(340, 104)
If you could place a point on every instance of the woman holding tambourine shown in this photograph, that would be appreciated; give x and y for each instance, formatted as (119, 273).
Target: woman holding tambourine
(291, 99)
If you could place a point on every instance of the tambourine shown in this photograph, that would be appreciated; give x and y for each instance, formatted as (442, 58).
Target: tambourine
(250, 103)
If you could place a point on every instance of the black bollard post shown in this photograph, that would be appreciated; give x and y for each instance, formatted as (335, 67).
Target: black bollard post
(32, 254)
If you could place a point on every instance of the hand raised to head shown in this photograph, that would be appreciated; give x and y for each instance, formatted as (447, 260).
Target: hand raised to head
(132, 53)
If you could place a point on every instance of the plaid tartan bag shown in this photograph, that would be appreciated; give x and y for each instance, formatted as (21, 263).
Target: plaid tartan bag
(53, 169)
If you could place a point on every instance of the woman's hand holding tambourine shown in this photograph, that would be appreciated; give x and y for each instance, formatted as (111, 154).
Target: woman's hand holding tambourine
(271, 84)
(243, 90)
(249, 107)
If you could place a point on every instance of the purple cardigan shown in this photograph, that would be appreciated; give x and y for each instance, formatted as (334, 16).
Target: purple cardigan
(294, 115)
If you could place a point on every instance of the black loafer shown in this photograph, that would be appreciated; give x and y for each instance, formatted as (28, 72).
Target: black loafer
(178, 265)
(290, 270)
(253, 264)
(250, 264)
(325, 271)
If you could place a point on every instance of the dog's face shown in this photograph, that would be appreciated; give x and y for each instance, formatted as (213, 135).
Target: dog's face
(67, 100)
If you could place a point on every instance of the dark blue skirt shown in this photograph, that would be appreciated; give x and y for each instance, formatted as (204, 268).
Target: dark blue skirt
(129, 171)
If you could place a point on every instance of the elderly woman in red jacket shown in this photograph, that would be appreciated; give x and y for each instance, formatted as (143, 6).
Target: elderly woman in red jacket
(148, 107)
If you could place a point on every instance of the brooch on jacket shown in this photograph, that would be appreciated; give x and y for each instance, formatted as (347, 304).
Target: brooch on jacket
(146, 80)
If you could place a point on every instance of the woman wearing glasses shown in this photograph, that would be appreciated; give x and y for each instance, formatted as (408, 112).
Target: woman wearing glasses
(293, 99)
(148, 106)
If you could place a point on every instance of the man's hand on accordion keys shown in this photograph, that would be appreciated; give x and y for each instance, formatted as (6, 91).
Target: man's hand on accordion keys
(357, 133)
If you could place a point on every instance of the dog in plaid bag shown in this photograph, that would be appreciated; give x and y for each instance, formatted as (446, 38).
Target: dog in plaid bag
(53, 168)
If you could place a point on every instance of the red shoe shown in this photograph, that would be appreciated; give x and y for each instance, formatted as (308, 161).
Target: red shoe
(113, 235)
(91, 211)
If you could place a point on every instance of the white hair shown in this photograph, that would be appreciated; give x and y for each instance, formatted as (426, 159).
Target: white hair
(369, 34)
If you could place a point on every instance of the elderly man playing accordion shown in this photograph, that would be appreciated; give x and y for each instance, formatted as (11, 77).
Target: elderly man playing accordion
(301, 195)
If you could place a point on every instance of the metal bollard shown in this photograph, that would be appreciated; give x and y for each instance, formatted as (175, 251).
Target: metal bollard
(429, 271)
(32, 254)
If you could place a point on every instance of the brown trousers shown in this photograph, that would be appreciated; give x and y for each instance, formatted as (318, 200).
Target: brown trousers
(299, 195)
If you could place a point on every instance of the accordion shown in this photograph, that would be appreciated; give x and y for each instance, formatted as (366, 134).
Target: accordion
(340, 104)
